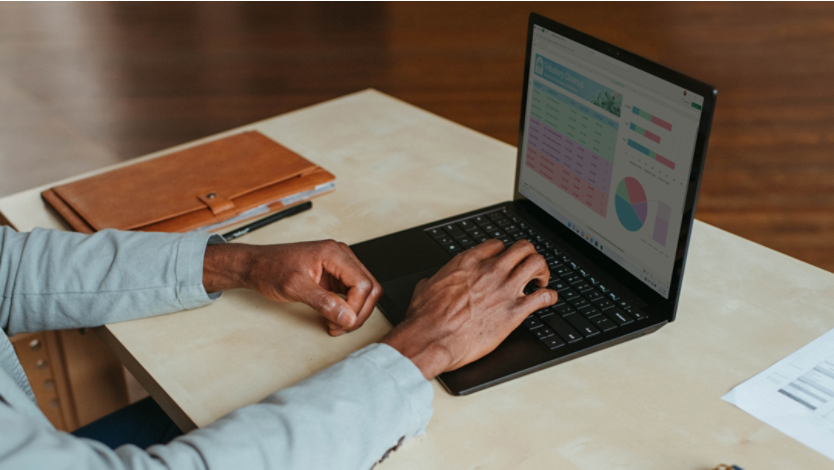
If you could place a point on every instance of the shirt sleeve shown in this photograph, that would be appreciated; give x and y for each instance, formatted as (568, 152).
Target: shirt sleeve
(52, 279)
(347, 417)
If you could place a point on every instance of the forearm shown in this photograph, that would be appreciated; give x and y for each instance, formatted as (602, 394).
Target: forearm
(346, 417)
(52, 279)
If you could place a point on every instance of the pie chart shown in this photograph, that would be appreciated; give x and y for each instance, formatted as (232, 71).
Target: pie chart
(631, 204)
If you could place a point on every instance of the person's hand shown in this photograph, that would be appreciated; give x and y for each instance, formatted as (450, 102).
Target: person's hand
(311, 272)
(465, 310)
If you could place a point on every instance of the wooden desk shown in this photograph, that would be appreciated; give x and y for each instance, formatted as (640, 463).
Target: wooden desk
(652, 403)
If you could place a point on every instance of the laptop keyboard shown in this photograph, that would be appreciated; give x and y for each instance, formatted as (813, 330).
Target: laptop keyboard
(586, 306)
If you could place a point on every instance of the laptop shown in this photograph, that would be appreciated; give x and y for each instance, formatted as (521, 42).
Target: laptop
(611, 151)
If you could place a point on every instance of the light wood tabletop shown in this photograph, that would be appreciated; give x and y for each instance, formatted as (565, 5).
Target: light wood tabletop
(651, 403)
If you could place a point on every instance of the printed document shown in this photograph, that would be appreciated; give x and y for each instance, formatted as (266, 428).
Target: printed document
(796, 395)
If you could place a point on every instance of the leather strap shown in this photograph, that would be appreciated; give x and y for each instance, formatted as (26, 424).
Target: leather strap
(218, 204)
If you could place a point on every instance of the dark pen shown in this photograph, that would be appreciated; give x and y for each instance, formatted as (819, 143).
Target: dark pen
(268, 220)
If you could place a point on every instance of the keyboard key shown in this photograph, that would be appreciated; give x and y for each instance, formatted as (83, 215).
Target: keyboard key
(496, 215)
(564, 309)
(502, 222)
(571, 277)
(547, 255)
(569, 294)
(445, 239)
(590, 311)
(593, 295)
(465, 241)
(489, 226)
(476, 232)
(603, 323)
(554, 263)
(454, 231)
(582, 286)
(613, 296)
(562, 270)
(593, 281)
(582, 325)
(508, 242)
(619, 316)
(496, 233)
(482, 239)
(532, 322)
(553, 342)
(520, 236)
(603, 289)
(563, 329)
(436, 232)
(558, 285)
(543, 333)
(453, 248)
(637, 314)
(531, 287)
(579, 302)
(467, 225)
(602, 303)
(510, 228)
(545, 312)
(480, 220)
(584, 273)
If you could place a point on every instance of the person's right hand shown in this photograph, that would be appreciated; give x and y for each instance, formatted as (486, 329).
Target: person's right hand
(465, 310)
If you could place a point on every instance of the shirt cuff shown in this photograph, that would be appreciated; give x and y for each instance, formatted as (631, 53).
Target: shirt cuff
(190, 255)
(417, 390)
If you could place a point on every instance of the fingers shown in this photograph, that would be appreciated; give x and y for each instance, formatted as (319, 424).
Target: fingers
(365, 296)
(514, 255)
(487, 249)
(527, 304)
(330, 305)
(532, 267)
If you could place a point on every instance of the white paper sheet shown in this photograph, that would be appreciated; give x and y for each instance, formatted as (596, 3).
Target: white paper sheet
(796, 395)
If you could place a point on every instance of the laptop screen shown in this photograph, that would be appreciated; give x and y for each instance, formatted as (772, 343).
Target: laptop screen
(607, 150)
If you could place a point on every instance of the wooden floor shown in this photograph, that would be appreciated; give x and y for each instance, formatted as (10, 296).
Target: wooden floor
(84, 85)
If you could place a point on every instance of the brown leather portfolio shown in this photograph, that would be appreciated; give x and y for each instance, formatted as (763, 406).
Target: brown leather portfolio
(207, 187)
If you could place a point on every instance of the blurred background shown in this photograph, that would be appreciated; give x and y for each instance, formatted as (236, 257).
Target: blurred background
(83, 85)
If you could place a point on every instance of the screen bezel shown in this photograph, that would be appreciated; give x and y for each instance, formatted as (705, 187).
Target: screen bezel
(657, 303)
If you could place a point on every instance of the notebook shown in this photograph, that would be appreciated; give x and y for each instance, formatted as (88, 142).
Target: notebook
(206, 187)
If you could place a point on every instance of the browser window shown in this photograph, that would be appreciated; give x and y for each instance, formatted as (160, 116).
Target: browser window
(608, 151)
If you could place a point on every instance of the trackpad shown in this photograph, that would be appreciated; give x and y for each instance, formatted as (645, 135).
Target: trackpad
(400, 290)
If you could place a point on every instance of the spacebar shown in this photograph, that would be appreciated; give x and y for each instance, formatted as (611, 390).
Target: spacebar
(562, 328)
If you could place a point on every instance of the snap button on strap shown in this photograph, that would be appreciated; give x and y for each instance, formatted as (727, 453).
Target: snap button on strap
(219, 205)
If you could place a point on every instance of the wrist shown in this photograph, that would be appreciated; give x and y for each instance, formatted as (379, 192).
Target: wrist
(431, 358)
(226, 267)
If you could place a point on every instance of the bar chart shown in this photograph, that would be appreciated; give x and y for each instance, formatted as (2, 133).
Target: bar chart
(649, 135)
(661, 223)
(651, 153)
(651, 118)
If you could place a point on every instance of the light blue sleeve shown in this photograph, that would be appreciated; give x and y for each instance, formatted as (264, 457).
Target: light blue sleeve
(52, 279)
(346, 417)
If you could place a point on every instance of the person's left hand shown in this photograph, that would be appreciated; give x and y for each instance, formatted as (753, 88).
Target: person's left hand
(310, 272)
